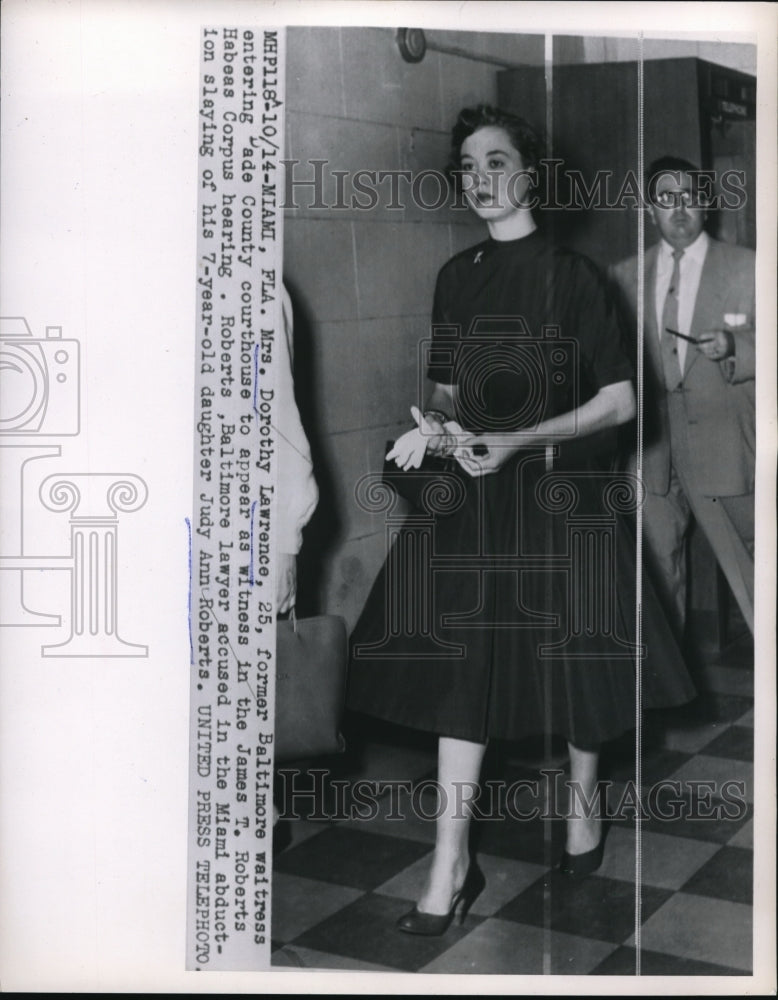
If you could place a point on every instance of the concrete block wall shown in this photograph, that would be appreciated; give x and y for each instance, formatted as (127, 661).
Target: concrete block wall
(362, 281)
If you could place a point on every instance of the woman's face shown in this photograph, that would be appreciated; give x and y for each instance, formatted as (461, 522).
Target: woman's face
(494, 181)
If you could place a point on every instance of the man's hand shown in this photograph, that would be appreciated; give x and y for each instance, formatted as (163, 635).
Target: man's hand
(716, 345)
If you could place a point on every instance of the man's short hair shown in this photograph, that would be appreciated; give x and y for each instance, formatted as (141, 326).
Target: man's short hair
(666, 165)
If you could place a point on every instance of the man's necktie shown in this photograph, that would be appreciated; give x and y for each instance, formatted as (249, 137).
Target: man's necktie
(669, 343)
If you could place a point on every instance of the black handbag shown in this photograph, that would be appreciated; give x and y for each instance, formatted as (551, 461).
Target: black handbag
(311, 660)
(437, 487)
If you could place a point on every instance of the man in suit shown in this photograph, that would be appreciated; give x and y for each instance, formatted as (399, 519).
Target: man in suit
(699, 401)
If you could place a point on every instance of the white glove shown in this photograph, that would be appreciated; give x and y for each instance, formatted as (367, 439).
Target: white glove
(410, 448)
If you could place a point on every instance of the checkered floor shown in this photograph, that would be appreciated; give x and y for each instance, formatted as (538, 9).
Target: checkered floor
(339, 885)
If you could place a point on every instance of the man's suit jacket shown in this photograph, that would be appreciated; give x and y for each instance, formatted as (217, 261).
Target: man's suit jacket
(715, 400)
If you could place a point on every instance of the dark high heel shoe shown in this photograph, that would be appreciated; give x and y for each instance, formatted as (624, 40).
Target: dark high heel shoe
(435, 924)
(578, 866)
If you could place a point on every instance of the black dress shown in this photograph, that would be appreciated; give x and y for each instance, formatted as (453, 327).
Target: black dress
(510, 609)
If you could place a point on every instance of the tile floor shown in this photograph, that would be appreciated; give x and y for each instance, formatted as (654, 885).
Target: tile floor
(340, 883)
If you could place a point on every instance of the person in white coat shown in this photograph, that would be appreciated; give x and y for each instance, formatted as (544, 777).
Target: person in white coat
(297, 493)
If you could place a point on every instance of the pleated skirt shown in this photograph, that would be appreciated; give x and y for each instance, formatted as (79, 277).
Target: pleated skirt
(507, 607)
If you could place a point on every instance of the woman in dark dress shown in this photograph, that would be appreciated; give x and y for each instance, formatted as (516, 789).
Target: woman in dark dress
(530, 584)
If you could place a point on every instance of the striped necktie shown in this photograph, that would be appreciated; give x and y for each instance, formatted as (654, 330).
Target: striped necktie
(669, 344)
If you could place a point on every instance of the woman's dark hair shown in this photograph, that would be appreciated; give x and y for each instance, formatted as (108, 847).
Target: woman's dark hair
(523, 137)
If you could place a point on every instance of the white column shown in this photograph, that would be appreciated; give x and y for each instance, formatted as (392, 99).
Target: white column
(95, 501)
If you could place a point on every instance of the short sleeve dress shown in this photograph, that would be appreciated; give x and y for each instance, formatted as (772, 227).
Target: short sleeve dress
(509, 610)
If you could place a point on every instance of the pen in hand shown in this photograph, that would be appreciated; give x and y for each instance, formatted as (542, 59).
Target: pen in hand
(683, 336)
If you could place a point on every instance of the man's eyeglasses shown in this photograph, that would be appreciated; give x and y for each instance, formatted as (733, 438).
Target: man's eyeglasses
(673, 199)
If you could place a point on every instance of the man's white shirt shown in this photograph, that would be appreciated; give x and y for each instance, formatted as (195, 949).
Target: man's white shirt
(690, 273)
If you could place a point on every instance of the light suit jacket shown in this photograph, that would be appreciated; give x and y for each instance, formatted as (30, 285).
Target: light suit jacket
(715, 400)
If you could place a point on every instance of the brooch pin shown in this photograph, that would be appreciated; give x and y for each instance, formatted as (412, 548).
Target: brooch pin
(478, 256)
